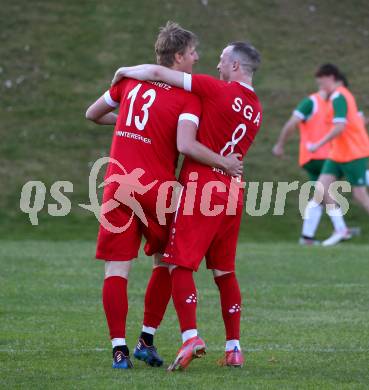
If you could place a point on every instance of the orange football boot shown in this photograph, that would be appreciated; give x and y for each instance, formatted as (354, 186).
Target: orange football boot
(233, 358)
(193, 348)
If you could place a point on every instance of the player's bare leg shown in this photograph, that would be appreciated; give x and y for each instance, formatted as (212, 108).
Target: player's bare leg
(185, 302)
(115, 303)
(155, 307)
(231, 301)
(361, 196)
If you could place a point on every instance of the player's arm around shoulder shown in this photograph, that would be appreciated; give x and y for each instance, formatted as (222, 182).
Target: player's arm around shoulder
(203, 85)
(151, 72)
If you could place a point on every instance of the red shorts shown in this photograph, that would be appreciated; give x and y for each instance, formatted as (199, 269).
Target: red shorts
(124, 246)
(193, 237)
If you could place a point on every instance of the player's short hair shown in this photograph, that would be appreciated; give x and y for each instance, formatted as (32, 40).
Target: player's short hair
(247, 55)
(172, 39)
(342, 77)
(329, 70)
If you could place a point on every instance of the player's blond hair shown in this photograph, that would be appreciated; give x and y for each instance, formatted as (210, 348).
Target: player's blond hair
(172, 39)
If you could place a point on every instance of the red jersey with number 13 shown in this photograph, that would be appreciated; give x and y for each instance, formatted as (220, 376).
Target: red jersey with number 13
(231, 118)
(146, 129)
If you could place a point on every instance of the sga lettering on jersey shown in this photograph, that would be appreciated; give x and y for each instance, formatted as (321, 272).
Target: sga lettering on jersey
(231, 118)
(232, 113)
(248, 111)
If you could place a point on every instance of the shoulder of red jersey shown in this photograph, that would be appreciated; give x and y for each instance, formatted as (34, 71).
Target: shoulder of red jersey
(248, 90)
(180, 103)
(114, 93)
(246, 101)
(243, 87)
(190, 103)
(202, 85)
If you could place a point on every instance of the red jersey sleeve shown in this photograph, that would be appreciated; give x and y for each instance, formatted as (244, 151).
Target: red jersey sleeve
(112, 96)
(191, 109)
(202, 85)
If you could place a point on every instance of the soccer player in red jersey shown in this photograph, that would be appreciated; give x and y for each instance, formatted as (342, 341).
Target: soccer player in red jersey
(231, 118)
(151, 117)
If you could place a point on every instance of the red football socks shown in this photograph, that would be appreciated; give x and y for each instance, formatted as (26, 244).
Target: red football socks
(230, 299)
(115, 301)
(158, 293)
(184, 297)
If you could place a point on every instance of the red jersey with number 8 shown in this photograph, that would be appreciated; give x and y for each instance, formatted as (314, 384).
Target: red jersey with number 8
(232, 115)
(230, 121)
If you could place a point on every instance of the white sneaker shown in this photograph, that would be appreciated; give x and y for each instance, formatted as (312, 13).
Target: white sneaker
(337, 237)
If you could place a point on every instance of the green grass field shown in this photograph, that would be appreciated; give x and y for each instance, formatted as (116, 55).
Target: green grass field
(305, 323)
(306, 319)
